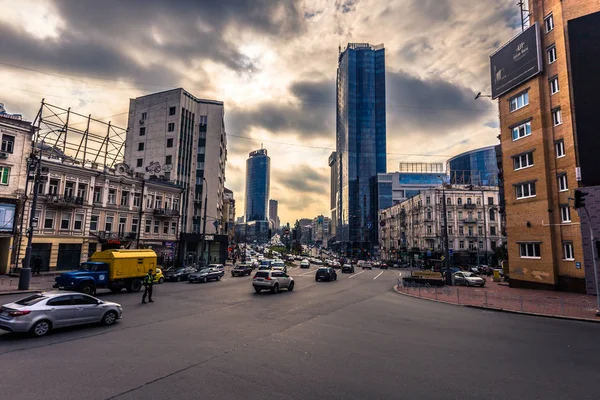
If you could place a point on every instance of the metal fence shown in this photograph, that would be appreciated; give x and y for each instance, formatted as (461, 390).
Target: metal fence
(580, 307)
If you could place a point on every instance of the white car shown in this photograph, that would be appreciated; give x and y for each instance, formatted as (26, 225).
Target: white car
(304, 263)
(273, 281)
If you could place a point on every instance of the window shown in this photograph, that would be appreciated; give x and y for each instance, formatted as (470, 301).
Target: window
(562, 183)
(549, 23)
(460, 215)
(491, 201)
(523, 161)
(137, 199)
(65, 221)
(49, 220)
(203, 119)
(551, 52)
(529, 250)
(479, 214)
(168, 160)
(53, 188)
(461, 230)
(4, 175)
(97, 195)
(559, 145)
(478, 201)
(429, 229)
(469, 201)
(568, 251)
(554, 85)
(60, 301)
(149, 201)
(112, 195)
(525, 190)
(461, 244)
(449, 201)
(158, 202)
(94, 223)
(143, 131)
(141, 146)
(78, 222)
(170, 142)
(124, 198)
(565, 213)
(8, 143)
(520, 131)
(109, 223)
(176, 204)
(481, 244)
(144, 116)
(122, 223)
(449, 214)
(459, 201)
(171, 127)
(148, 225)
(428, 200)
(492, 230)
(172, 110)
(156, 226)
(451, 244)
(470, 232)
(134, 224)
(82, 190)
(173, 228)
(492, 215)
(450, 230)
(166, 228)
(556, 117)
(428, 214)
(69, 188)
(519, 101)
(480, 230)
(139, 162)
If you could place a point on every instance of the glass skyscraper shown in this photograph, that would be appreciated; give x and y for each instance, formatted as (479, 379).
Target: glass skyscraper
(476, 167)
(258, 171)
(360, 143)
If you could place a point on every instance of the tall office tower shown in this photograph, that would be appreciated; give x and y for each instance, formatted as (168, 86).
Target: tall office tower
(273, 217)
(174, 136)
(360, 143)
(258, 173)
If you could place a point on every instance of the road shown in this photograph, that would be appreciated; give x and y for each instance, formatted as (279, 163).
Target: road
(350, 339)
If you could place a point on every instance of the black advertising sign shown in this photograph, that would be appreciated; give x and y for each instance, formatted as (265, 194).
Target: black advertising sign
(516, 62)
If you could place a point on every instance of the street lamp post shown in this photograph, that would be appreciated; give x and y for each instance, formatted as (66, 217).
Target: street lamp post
(205, 187)
(25, 273)
(446, 252)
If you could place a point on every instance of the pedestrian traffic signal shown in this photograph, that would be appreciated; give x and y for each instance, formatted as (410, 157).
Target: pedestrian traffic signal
(579, 199)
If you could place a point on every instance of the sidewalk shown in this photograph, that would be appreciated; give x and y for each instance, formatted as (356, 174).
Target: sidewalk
(9, 284)
(498, 296)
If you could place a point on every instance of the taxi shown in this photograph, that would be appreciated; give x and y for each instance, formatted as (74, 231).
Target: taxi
(158, 276)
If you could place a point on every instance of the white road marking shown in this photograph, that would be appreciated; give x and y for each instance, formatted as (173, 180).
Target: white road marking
(358, 273)
(378, 275)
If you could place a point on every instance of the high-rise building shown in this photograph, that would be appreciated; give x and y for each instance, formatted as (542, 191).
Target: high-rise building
(273, 216)
(360, 143)
(476, 167)
(228, 222)
(334, 183)
(547, 85)
(180, 138)
(258, 177)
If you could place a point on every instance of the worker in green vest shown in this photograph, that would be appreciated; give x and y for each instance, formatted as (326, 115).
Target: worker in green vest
(148, 282)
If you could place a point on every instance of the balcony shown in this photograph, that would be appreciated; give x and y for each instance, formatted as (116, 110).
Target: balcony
(107, 235)
(64, 200)
(165, 213)
(470, 206)
(470, 220)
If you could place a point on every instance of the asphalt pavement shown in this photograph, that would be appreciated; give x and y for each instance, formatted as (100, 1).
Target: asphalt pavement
(354, 338)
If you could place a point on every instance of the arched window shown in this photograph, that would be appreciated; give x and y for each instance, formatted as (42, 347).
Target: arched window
(468, 200)
(459, 201)
(449, 201)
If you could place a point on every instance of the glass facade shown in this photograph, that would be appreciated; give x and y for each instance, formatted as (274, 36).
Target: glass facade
(258, 171)
(360, 142)
(477, 167)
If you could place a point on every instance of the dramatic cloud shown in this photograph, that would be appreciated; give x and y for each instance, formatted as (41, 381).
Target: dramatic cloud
(273, 63)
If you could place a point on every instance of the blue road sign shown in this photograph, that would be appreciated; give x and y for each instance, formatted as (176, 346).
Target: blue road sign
(450, 251)
(578, 265)
(369, 225)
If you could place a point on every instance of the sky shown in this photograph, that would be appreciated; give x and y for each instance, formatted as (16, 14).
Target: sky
(273, 63)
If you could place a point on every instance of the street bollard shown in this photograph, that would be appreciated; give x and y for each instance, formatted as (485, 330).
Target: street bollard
(485, 297)
(458, 295)
(10, 284)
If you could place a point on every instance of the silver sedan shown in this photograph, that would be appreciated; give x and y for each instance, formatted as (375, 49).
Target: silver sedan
(42, 312)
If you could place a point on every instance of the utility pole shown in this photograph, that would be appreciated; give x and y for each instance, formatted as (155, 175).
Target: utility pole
(141, 214)
(25, 273)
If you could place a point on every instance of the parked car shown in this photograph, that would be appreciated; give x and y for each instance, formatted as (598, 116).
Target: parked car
(273, 281)
(159, 277)
(326, 273)
(367, 265)
(468, 279)
(42, 312)
(220, 267)
(241, 269)
(304, 263)
(180, 274)
(205, 275)
(348, 268)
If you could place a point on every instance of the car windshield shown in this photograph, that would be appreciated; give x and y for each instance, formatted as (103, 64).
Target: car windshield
(469, 274)
(179, 270)
(93, 266)
(322, 270)
(261, 275)
(31, 300)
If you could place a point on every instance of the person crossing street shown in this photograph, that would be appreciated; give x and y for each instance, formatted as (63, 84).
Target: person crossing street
(148, 283)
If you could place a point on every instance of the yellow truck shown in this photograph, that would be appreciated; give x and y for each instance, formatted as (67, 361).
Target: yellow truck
(113, 269)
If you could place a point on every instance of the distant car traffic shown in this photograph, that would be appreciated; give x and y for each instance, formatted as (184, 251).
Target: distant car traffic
(205, 275)
(367, 265)
(179, 274)
(468, 279)
(326, 273)
(383, 266)
(348, 268)
(241, 269)
(273, 281)
(40, 313)
(304, 263)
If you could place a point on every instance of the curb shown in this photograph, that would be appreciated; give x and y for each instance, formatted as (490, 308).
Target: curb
(20, 292)
(502, 309)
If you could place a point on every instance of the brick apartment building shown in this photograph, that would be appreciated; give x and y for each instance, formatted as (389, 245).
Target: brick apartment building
(547, 82)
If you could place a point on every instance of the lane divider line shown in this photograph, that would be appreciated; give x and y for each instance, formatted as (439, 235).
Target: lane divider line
(378, 275)
(358, 273)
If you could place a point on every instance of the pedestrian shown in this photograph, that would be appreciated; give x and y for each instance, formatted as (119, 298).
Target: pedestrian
(148, 283)
(37, 265)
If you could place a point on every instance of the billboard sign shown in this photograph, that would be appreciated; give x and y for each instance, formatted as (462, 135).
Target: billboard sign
(516, 62)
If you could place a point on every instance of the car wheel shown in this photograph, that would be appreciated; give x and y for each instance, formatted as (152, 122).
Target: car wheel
(257, 289)
(204, 280)
(218, 277)
(41, 328)
(109, 318)
(275, 288)
(86, 288)
(291, 287)
(161, 280)
(316, 279)
(135, 285)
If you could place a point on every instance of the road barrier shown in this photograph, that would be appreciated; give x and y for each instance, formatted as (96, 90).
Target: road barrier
(579, 307)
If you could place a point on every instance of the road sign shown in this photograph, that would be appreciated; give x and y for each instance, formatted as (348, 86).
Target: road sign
(450, 251)
(442, 258)
(428, 253)
(578, 265)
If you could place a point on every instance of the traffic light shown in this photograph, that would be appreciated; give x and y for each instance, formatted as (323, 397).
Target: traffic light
(579, 199)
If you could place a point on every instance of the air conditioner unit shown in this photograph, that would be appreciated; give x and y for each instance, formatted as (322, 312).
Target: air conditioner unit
(3, 155)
